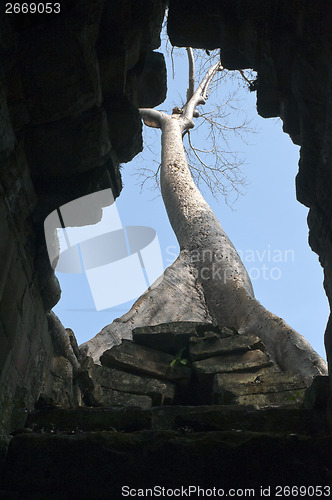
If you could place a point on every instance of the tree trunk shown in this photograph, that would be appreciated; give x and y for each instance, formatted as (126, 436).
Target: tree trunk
(208, 282)
(203, 243)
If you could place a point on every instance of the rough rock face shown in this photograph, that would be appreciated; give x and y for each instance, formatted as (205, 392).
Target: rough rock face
(289, 45)
(70, 85)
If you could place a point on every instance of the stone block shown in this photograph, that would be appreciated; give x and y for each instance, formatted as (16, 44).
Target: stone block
(161, 392)
(134, 358)
(209, 346)
(228, 363)
(263, 388)
(172, 337)
(166, 337)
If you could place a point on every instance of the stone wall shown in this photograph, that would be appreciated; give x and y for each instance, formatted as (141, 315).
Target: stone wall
(70, 85)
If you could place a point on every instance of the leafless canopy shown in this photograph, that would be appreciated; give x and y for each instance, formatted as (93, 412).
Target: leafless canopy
(212, 161)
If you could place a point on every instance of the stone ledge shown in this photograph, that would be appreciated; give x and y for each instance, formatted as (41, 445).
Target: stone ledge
(101, 463)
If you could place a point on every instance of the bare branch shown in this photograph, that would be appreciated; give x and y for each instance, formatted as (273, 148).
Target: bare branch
(172, 59)
(151, 117)
(191, 87)
(201, 94)
(212, 162)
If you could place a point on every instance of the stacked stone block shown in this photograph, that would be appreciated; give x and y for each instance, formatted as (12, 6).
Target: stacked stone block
(190, 363)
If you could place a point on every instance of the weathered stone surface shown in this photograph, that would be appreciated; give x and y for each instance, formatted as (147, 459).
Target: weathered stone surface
(53, 123)
(281, 400)
(143, 360)
(317, 394)
(263, 388)
(229, 417)
(167, 458)
(194, 418)
(213, 346)
(7, 137)
(61, 368)
(70, 146)
(172, 337)
(148, 80)
(60, 51)
(160, 392)
(125, 128)
(110, 397)
(166, 337)
(250, 361)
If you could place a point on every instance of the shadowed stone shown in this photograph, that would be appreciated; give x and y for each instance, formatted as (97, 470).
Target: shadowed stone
(231, 417)
(118, 398)
(134, 358)
(198, 418)
(90, 419)
(317, 394)
(261, 388)
(169, 458)
(160, 392)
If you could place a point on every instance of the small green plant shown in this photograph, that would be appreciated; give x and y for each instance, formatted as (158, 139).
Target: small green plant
(179, 359)
(295, 397)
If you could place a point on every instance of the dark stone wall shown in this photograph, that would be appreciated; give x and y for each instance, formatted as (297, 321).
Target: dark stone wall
(70, 85)
(289, 44)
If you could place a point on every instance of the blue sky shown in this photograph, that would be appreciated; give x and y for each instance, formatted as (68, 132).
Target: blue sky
(267, 226)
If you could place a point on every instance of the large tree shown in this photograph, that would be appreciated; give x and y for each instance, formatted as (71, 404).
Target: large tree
(208, 281)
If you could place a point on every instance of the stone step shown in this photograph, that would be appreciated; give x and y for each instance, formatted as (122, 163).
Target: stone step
(195, 418)
(102, 465)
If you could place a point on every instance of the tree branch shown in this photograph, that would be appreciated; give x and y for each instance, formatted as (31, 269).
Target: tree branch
(201, 94)
(191, 87)
(151, 117)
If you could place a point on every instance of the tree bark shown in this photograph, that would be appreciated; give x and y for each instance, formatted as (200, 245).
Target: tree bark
(208, 282)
